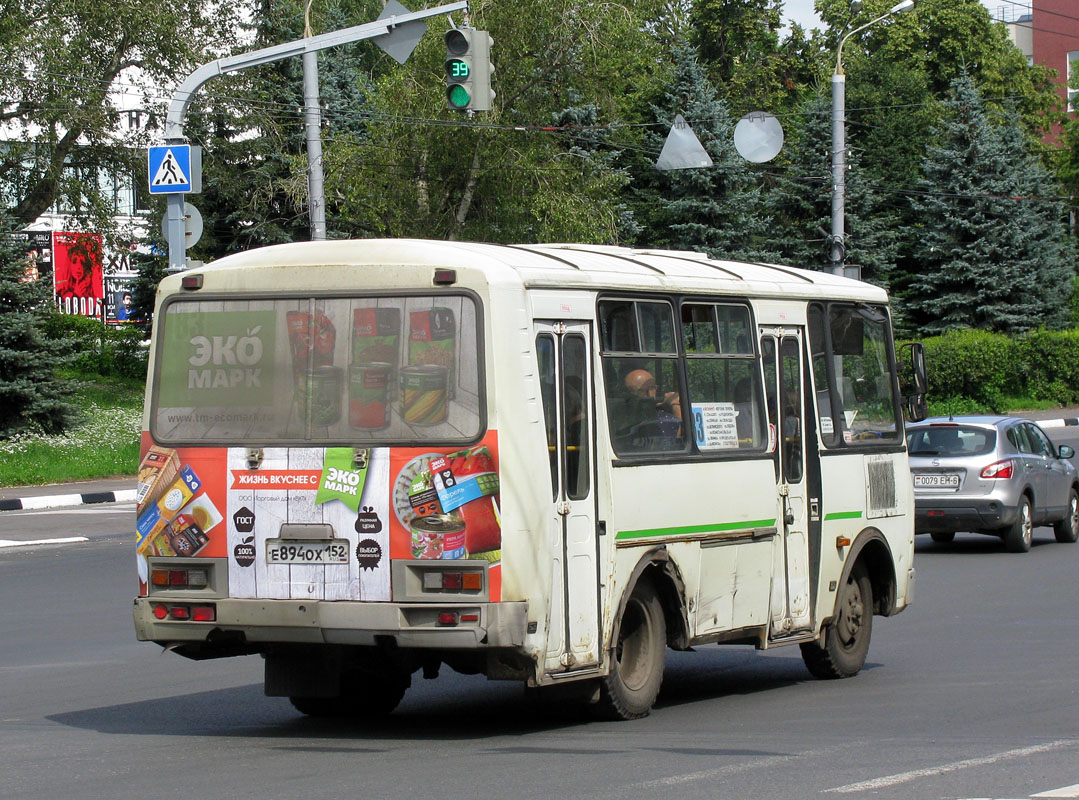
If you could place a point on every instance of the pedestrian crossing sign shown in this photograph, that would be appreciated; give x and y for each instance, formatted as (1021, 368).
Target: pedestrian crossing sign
(172, 171)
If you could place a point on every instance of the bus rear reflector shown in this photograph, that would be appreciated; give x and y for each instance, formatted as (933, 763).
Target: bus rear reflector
(179, 612)
(451, 580)
(180, 578)
(161, 611)
(447, 617)
(472, 580)
(204, 613)
(435, 580)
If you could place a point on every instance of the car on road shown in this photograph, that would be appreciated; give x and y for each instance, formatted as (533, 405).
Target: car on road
(991, 474)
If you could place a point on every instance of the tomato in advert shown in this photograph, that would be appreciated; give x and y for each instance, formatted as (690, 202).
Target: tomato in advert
(447, 505)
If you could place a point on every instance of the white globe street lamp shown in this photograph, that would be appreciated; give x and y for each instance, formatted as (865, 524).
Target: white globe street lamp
(839, 145)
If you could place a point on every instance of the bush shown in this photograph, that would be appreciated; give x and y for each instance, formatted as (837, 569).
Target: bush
(1052, 365)
(973, 369)
(977, 365)
(100, 349)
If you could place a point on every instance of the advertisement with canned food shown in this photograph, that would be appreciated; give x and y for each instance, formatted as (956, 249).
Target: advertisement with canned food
(301, 371)
(319, 522)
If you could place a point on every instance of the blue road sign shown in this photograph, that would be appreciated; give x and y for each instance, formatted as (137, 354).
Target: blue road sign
(170, 169)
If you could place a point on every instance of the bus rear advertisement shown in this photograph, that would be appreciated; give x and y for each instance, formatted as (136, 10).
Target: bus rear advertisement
(544, 463)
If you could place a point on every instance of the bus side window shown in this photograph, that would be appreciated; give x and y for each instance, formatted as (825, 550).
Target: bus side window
(575, 410)
(642, 387)
(722, 374)
(545, 357)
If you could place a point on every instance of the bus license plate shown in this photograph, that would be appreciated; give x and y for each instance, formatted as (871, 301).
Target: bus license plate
(294, 551)
(936, 481)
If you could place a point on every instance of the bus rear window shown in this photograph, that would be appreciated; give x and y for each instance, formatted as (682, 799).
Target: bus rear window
(317, 370)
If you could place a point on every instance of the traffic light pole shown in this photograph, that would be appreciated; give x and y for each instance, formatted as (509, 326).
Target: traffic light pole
(183, 96)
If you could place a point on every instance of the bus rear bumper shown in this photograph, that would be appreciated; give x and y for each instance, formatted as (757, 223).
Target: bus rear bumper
(465, 626)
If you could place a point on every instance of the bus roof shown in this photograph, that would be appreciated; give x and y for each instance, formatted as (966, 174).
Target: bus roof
(565, 266)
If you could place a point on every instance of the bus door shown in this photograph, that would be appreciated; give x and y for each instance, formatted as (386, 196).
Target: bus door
(565, 364)
(781, 351)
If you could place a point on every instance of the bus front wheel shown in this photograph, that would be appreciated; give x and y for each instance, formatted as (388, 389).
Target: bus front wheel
(630, 689)
(846, 639)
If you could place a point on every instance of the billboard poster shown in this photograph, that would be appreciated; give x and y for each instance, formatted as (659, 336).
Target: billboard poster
(77, 273)
(38, 246)
(118, 299)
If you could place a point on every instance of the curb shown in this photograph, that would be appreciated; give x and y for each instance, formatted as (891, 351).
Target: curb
(56, 500)
(1058, 423)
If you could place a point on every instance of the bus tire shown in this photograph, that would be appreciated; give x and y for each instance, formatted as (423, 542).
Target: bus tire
(846, 638)
(630, 688)
(375, 695)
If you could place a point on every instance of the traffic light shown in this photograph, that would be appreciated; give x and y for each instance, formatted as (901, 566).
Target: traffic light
(468, 70)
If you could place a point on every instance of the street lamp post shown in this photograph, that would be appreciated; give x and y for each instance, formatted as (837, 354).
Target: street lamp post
(839, 144)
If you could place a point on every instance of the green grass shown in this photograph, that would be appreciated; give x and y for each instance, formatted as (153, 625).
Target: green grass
(104, 444)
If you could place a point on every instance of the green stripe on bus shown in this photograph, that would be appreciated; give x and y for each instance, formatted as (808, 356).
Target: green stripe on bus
(843, 515)
(684, 530)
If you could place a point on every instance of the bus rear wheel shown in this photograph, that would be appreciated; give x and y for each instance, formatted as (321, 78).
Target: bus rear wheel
(630, 689)
(846, 639)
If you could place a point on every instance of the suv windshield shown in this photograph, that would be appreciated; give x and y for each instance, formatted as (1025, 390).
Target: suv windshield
(317, 370)
(950, 440)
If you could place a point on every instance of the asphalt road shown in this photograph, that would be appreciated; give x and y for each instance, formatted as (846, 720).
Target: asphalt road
(970, 693)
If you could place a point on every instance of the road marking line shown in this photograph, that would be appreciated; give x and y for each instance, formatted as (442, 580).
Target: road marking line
(1065, 791)
(730, 769)
(68, 540)
(904, 777)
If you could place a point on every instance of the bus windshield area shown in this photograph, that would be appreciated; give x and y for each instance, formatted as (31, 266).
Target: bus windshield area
(318, 370)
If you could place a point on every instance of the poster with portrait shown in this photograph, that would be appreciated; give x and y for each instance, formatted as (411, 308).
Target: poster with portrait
(38, 247)
(119, 309)
(77, 273)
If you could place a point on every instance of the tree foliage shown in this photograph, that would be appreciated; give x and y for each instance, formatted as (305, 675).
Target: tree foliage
(64, 61)
(31, 396)
(717, 210)
(991, 243)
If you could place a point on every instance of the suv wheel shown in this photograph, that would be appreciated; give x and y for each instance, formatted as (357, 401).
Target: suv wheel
(1067, 530)
(1017, 538)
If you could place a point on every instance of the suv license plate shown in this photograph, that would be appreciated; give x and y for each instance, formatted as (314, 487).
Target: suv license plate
(294, 551)
(936, 481)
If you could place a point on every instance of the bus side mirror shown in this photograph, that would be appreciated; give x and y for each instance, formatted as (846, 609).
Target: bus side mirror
(915, 383)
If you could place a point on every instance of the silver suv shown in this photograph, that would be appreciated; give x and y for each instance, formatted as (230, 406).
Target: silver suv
(995, 475)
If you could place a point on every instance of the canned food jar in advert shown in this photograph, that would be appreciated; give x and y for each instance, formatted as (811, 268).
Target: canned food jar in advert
(423, 395)
(438, 536)
(321, 391)
(368, 390)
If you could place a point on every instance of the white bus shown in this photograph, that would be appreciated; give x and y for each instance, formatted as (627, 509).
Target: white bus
(547, 463)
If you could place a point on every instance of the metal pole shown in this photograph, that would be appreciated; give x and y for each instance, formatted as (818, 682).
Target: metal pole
(839, 168)
(312, 118)
(839, 140)
(182, 97)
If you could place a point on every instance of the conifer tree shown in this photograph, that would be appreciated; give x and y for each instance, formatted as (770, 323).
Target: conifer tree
(717, 210)
(990, 239)
(31, 396)
(800, 203)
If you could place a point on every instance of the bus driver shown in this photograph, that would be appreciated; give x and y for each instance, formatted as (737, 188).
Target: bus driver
(651, 423)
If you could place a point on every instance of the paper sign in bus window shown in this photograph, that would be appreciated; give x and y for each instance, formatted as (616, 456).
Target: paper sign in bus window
(715, 426)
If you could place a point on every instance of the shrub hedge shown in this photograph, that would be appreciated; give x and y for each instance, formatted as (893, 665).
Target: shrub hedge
(987, 368)
(101, 349)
